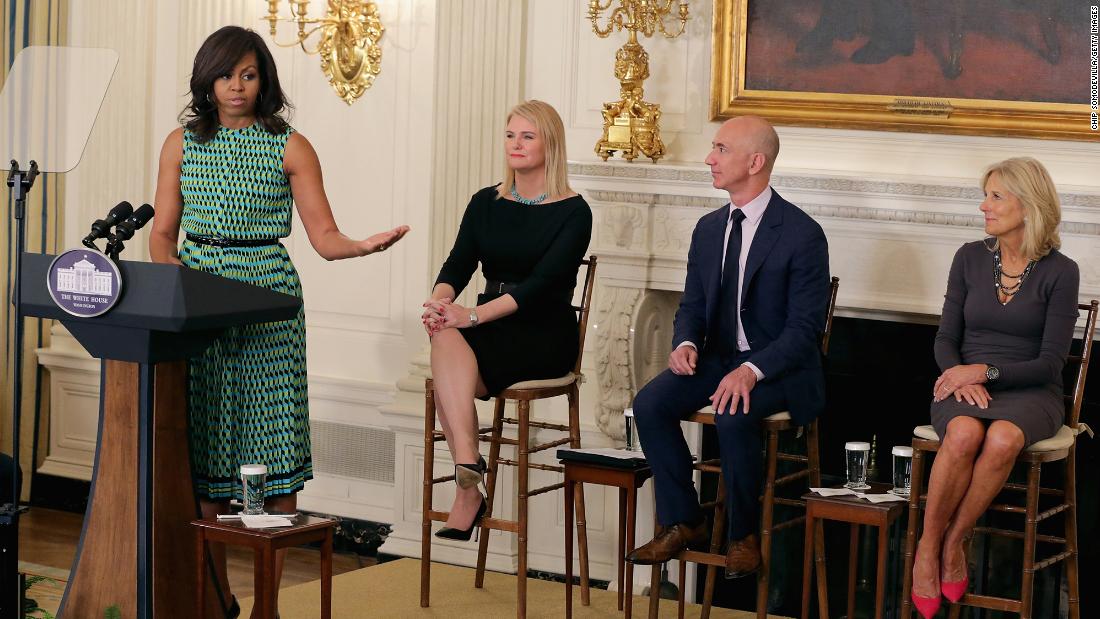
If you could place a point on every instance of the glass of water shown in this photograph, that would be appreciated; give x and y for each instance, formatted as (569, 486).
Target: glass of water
(253, 478)
(632, 442)
(903, 469)
(858, 455)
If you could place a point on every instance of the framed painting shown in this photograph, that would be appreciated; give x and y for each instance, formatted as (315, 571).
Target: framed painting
(1024, 68)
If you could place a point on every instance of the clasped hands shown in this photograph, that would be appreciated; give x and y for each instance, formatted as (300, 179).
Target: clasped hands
(733, 387)
(444, 314)
(965, 383)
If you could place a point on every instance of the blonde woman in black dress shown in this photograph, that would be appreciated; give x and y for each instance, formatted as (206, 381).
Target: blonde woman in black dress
(1004, 336)
(530, 234)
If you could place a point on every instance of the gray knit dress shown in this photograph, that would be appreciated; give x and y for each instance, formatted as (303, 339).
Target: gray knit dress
(1028, 339)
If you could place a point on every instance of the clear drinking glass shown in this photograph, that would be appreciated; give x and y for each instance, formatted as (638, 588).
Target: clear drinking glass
(632, 442)
(903, 469)
(253, 478)
(858, 455)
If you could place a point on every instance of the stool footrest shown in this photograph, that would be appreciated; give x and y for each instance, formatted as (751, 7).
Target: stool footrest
(789, 502)
(550, 445)
(502, 440)
(553, 468)
(545, 489)
(543, 425)
(1010, 509)
(786, 457)
(786, 524)
(444, 479)
(1057, 509)
(495, 524)
(1039, 537)
(991, 602)
(786, 479)
(1045, 563)
(1023, 488)
(706, 558)
(708, 468)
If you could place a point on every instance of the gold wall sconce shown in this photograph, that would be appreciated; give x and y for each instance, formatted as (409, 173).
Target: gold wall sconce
(350, 31)
(632, 125)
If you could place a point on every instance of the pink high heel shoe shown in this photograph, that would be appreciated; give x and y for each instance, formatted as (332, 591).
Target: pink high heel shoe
(927, 607)
(954, 591)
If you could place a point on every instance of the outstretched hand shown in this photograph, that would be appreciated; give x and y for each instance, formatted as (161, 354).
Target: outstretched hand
(383, 240)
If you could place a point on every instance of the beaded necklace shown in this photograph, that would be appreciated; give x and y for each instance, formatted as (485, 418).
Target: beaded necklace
(998, 273)
(527, 201)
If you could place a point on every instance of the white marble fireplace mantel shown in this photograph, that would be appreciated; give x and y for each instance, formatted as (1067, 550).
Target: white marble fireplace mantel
(891, 242)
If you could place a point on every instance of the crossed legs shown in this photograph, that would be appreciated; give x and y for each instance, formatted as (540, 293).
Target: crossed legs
(457, 382)
(970, 468)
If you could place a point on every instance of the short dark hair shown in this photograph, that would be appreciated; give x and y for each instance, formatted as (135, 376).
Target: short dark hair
(220, 52)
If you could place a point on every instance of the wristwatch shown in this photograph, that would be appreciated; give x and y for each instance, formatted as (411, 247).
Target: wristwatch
(473, 318)
(992, 373)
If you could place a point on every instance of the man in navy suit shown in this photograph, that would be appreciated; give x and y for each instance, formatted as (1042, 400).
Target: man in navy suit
(745, 342)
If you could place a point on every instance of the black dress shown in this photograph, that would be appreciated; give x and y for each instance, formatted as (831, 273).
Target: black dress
(1028, 339)
(539, 249)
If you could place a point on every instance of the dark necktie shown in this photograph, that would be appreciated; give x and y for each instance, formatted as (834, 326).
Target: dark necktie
(727, 308)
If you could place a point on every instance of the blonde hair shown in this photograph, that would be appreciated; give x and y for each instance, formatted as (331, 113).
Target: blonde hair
(552, 131)
(1029, 181)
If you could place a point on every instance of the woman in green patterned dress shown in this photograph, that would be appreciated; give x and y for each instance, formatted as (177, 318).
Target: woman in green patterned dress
(228, 178)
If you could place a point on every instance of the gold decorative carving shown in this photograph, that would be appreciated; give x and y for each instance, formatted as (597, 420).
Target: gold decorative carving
(350, 32)
(631, 125)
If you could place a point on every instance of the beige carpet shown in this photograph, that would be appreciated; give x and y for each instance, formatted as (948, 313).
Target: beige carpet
(393, 590)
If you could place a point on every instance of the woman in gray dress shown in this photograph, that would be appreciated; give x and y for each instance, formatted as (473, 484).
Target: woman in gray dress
(1002, 352)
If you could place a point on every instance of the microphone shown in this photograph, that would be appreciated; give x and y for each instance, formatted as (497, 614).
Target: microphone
(102, 227)
(124, 231)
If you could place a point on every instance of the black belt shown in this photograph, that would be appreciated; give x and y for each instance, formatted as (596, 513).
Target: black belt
(218, 241)
(493, 287)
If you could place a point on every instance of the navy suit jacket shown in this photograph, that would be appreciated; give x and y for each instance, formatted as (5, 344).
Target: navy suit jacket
(784, 298)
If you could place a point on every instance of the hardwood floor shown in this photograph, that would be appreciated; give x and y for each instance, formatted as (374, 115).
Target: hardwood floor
(49, 537)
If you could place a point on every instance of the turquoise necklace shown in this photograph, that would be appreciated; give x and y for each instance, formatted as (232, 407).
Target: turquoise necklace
(527, 201)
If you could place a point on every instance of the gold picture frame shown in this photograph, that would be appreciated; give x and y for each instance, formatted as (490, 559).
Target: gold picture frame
(731, 96)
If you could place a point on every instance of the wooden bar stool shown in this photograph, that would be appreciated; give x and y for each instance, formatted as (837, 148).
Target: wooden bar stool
(523, 393)
(1060, 447)
(715, 558)
(265, 542)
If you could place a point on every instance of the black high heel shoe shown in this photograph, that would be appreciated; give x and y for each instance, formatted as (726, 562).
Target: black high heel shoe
(469, 475)
(234, 610)
(463, 535)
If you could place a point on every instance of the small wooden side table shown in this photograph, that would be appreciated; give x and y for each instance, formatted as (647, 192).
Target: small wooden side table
(855, 511)
(265, 542)
(627, 480)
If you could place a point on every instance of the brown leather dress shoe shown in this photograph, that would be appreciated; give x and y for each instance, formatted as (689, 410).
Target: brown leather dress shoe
(743, 557)
(668, 542)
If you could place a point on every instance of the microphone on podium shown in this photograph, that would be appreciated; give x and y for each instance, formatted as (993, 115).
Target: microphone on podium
(102, 227)
(124, 231)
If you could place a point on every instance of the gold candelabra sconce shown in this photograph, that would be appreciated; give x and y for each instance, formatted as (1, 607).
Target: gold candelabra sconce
(632, 125)
(350, 31)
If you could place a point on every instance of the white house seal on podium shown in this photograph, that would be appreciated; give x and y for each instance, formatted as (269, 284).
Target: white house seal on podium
(84, 283)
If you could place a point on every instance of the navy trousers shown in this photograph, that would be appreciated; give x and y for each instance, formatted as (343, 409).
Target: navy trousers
(668, 399)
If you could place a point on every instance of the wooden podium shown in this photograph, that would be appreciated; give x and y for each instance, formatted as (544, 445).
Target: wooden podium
(136, 550)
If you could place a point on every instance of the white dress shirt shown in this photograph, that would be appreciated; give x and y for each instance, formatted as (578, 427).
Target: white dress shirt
(754, 213)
